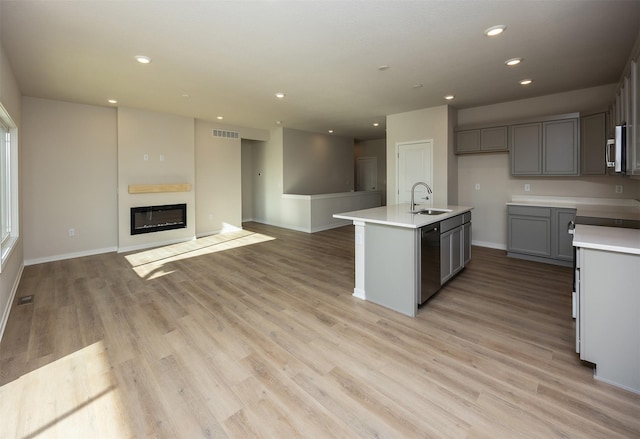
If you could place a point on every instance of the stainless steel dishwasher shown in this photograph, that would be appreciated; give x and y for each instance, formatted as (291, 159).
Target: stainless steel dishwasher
(429, 261)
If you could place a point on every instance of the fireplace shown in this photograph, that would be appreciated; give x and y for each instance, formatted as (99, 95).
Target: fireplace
(148, 219)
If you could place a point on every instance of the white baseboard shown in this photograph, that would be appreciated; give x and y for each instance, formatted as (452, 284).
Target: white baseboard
(12, 296)
(489, 245)
(97, 251)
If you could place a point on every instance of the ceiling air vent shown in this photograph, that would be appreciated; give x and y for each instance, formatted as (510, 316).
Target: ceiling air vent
(226, 134)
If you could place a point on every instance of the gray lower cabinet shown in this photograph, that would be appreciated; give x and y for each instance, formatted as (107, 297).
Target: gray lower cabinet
(455, 245)
(563, 243)
(466, 235)
(540, 234)
(545, 148)
(492, 139)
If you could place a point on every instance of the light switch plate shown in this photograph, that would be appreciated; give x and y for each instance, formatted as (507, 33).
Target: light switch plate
(527, 187)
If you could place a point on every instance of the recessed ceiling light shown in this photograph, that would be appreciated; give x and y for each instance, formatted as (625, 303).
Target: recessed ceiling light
(495, 30)
(330, 131)
(449, 97)
(417, 86)
(525, 81)
(376, 124)
(513, 61)
(186, 96)
(383, 67)
(112, 101)
(143, 59)
(280, 95)
(278, 122)
(219, 117)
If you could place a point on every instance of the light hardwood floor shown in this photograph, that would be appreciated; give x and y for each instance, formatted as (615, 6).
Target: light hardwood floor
(256, 334)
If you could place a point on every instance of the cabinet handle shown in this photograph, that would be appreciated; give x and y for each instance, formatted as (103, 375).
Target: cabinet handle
(611, 143)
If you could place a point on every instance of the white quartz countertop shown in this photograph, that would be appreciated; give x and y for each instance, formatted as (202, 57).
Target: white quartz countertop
(398, 215)
(615, 239)
(590, 207)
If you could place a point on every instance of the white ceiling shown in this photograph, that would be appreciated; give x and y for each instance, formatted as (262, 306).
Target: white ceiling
(231, 57)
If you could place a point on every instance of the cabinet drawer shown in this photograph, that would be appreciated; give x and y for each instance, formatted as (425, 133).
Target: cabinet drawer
(450, 223)
(529, 211)
(466, 217)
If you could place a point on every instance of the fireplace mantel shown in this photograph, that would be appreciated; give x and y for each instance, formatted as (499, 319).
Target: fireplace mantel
(157, 188)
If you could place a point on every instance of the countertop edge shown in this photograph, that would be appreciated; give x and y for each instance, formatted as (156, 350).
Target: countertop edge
(613, 239)
(399, 214)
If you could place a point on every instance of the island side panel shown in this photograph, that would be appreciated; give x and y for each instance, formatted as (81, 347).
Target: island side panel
(391, 267)
(611, 307)
(359, 290)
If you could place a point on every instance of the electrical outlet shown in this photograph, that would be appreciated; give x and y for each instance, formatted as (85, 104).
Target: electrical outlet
(618, 189)
(477, 186)
(145, 157)
(162, 157)
(527, 187)
(72, 232)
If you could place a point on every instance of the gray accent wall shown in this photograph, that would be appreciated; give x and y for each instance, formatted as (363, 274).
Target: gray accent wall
(317, 163)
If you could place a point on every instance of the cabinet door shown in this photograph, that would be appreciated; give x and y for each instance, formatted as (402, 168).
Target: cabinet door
(467, 141)
(529, 235)
(560, 147)
(526, 149)
(457, 250)
(466, 235)
(494, 139)
(593, 143)
(563, 242)
(451, 254)
(445, 256)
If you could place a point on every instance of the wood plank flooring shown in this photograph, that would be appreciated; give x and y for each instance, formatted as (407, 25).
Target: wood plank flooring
(256, 334)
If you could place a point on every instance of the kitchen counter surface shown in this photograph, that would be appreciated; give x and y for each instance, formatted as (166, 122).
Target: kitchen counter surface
(614, 239)
(588, 207)
(398, 215)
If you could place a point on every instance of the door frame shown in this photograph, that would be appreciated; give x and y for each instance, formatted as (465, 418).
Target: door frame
(397, 153)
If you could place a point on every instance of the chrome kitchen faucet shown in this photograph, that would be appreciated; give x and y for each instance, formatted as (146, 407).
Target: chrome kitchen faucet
(413, 189)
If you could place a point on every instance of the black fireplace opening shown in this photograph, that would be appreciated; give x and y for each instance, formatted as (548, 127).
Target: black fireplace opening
(148, 219)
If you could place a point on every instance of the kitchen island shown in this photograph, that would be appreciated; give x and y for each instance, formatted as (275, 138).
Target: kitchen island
(608, 302)
(388, 265)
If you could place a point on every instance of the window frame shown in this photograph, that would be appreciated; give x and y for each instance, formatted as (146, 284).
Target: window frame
(8, 242)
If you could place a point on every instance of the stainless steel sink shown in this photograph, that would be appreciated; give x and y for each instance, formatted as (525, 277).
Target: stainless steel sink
(429, 211)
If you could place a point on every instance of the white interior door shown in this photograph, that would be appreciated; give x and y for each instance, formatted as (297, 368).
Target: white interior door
(415, 163)
(367, 173)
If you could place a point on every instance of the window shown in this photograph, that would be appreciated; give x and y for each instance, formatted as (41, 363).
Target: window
(8, 185)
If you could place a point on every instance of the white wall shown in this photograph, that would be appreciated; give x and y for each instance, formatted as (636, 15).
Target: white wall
(70, 179)
(429, 123)
(156, 135)
(247, 147)
(492, 171)
(218, 188)
(267, 179)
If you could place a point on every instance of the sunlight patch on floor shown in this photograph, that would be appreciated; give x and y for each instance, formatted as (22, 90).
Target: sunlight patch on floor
(149, 264)
(75, 396)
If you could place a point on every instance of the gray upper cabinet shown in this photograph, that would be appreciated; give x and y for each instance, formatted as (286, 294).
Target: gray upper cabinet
(545, 148)
(560, 147)
(526, 149)
(467, 141)
(593, 142)
(492, 139)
